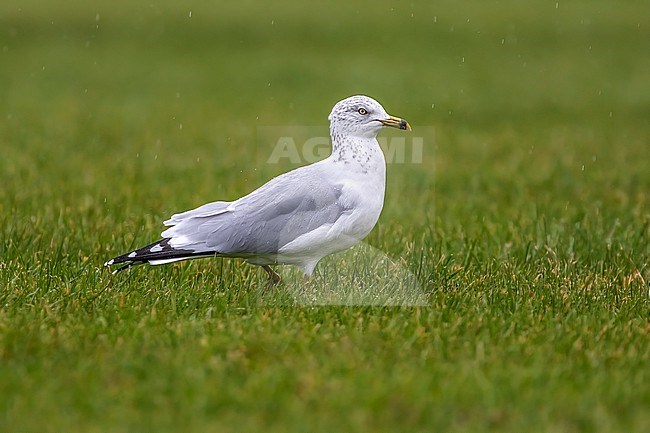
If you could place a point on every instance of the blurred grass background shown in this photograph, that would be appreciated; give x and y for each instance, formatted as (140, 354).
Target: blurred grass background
(527, 222)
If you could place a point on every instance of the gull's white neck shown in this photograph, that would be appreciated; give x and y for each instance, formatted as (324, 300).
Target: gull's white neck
(359, 153)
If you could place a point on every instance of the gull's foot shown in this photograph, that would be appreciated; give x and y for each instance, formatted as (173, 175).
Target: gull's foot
(274, 278)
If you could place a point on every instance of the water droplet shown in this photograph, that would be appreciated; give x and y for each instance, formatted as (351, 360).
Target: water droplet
(190, 14)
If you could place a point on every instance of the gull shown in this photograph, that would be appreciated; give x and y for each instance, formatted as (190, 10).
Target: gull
(296, 218)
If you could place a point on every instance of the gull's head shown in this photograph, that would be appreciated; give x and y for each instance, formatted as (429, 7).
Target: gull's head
(362, 116)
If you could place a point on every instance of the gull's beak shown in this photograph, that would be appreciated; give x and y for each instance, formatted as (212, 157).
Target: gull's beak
(396, 122)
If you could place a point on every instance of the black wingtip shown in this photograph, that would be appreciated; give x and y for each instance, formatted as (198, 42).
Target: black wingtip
(144, 255)
(125, 264)
(124, 268)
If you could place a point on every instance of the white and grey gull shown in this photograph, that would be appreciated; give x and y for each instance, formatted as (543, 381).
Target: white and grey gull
(298, 217)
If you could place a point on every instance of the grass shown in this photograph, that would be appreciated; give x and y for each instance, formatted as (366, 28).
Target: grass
(526, 224)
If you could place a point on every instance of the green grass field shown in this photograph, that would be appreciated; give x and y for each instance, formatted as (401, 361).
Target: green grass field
(526, 224)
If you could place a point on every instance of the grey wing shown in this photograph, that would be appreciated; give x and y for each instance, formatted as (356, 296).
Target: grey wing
(207, 210)
(262, 222)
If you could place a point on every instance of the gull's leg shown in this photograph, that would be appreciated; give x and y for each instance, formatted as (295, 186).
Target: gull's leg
(274, 278)
(306, 283)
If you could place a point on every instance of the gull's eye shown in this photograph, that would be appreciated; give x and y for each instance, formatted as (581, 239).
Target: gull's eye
(362, 111)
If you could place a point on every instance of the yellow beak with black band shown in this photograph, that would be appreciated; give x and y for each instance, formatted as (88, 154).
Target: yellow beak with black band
(396, 122)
